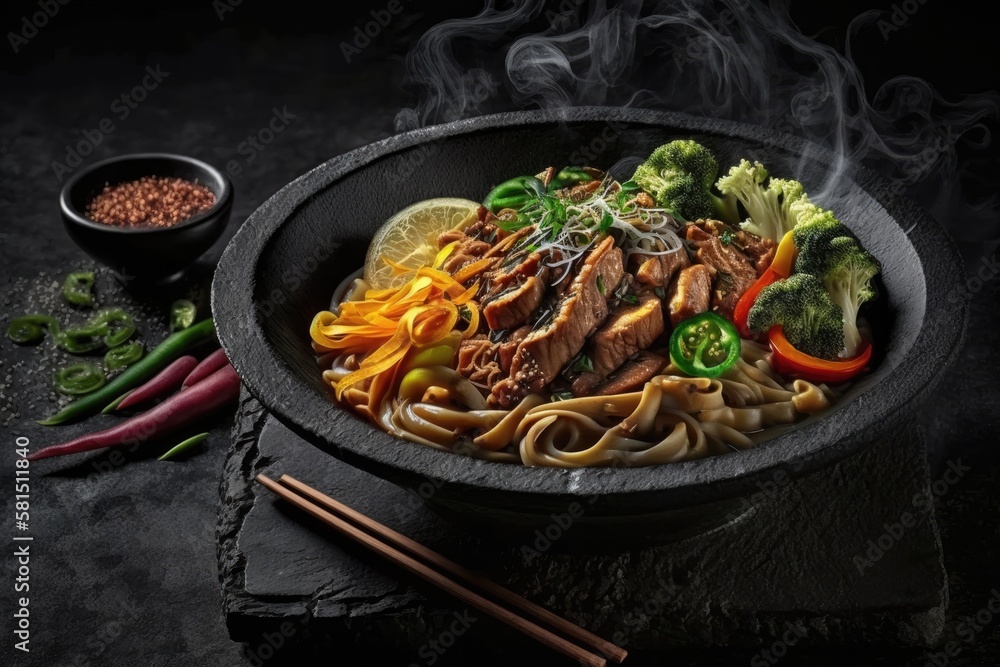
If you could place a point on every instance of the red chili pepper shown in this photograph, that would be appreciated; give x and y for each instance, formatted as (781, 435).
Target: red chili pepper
(780, 268)
(182, 409)
(163, 383)
(208, 365)
(788, 361)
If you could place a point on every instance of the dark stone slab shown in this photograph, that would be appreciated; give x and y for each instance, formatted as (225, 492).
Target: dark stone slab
(847, 555)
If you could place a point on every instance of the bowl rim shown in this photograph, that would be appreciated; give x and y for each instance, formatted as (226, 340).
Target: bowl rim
(223, 198)
(796, 452)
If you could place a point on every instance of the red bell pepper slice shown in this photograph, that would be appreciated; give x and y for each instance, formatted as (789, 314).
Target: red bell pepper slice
(780, 268)
(787, 360)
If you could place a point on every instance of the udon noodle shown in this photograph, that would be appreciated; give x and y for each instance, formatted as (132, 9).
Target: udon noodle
(673, 418)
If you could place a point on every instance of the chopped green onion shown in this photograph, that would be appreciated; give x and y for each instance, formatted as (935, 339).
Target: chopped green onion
(600, 285)
(584, 365)
(630, 298)
(561, 396)
(606, 221)
(79, 378)
(660, 292)
(124, 355)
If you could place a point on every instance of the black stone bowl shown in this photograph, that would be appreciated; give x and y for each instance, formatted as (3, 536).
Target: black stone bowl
(145, 254)
(285, 262)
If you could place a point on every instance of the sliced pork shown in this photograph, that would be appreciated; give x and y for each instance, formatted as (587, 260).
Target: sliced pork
(630, 328)
(690, 293)
(632, 375)
(584, 306)
(731, 269)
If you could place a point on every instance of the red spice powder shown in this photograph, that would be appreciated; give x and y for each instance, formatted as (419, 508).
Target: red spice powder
(150, 201)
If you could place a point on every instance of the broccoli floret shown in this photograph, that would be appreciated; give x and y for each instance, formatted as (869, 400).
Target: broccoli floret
(679, 175)
(812, 322)
(816, 225)
(845, 269)
(774, 209)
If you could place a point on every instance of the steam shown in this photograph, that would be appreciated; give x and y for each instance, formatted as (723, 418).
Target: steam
(734, 59)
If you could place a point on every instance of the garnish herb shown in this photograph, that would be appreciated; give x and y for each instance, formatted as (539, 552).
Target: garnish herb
(584, 365)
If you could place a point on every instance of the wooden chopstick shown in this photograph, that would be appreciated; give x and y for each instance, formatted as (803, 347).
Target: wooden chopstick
(435, 559)
(431, 575)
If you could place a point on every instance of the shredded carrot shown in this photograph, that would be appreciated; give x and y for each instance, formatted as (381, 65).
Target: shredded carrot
(473, 269)
(387, 324)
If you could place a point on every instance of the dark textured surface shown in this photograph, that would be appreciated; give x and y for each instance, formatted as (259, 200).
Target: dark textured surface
(125, 568)
(799, 548)
(313, 228)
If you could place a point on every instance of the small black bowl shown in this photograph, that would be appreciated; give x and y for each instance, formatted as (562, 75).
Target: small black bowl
(145, 254)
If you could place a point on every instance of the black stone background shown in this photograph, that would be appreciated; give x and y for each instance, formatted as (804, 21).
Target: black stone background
(124, 565)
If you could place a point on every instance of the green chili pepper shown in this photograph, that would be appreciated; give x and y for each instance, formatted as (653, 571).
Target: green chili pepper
(31, 328)
(119, 325)
(78, 289)
(124, 355)
(187, 444)
(172, 347)
(79, 378)
(705, 345)
(514, 193)
(182, 314)
(569, 176)
(81, 340)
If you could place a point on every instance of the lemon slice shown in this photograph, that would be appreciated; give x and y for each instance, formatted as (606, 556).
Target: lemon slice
(409, 238)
